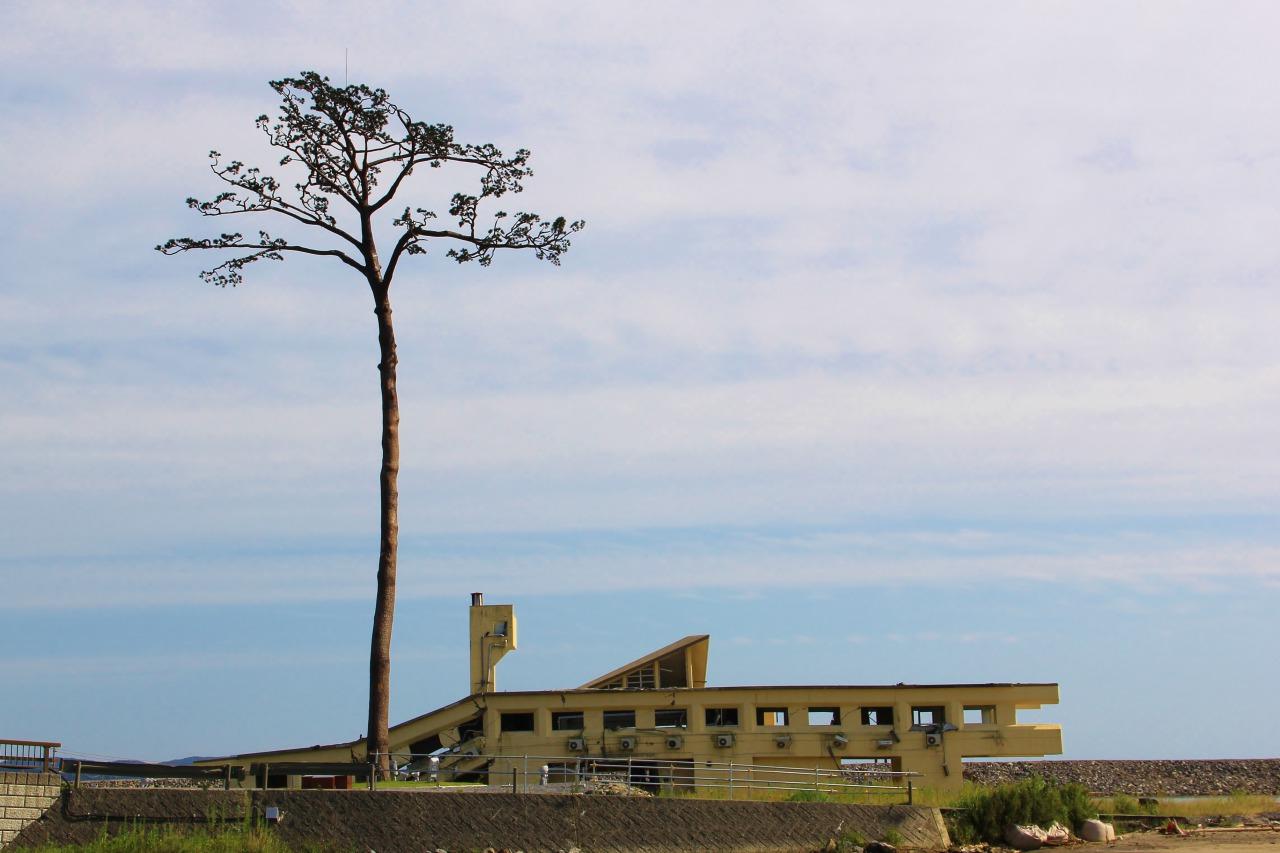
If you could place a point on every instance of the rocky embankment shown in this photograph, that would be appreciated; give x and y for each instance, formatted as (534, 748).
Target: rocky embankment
(1173, 778)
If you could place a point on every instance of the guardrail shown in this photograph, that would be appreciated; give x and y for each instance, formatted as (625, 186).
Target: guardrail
(223, 773)
(32, 756)
(523, 772)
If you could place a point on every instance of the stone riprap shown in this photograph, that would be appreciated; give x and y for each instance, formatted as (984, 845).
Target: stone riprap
(1173, 778)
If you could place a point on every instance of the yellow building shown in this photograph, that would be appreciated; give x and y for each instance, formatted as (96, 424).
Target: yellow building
(659, 713)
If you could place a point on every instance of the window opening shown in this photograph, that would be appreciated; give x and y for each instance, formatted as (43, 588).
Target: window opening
(567, 721)
(671, 718)
(517, 722)
(614, 720)
(824, 716)
(722, 717)
(876, 716)
(771, 716)
(924, 716)
(979, 715)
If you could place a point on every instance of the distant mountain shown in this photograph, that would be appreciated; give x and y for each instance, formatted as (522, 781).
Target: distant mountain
(190, 759)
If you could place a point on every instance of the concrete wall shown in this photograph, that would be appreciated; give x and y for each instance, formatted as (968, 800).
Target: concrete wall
(23, 798)
(409, 821)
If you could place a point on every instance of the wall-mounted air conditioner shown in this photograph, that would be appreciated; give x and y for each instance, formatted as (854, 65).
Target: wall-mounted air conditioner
(782, 741)
(723, 741)
(884, 743)
(627, 743)
(674, 742)
(577, 744)
(839, 740)
(933, 738)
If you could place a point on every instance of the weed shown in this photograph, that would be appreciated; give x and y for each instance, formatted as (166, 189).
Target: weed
(852, 838)
(987, 811)
(892, 836)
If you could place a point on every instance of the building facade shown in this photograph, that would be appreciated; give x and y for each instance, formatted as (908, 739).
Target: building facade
(659, 712)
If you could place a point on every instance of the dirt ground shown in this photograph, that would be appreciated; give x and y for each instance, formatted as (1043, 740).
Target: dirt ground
(1206, 841)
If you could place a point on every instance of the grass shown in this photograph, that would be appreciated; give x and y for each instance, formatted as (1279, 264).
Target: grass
(142, 839)
(406, 785)
(1237, 803)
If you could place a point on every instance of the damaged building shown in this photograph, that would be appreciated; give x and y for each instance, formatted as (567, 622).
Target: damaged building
(658, 712)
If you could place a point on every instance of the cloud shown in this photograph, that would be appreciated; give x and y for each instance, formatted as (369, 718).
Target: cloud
(843, 262)
(673, 561)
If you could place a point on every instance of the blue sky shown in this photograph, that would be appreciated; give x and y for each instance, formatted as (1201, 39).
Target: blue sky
(905, 343)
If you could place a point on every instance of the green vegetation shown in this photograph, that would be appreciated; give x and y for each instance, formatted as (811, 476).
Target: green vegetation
(1237, 803)
(851, 841)
(1125, 804)
(987, 811)
(892, 836)
(142, 839)
(809, 796)
(407, 785)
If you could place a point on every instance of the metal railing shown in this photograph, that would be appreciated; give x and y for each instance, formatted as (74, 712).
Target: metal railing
(650, 774)
(140, 770)
(32, 756)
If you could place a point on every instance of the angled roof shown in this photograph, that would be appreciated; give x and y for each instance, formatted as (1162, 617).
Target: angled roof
(693, 648)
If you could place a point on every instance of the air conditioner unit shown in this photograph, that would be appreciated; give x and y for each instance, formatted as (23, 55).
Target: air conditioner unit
(885, 743)
(839, 740)
(627, 743)
(933, 738)
(674, 742)
(724, 741)
(577, 744)
(782, 741)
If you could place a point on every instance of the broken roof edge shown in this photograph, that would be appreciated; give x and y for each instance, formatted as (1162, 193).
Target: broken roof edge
(700, 662)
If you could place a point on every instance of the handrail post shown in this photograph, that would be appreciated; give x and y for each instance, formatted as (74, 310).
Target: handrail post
(79, 764)
(911, 797)
(731, 780)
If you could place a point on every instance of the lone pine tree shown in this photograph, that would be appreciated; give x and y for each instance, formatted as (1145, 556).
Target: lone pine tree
(354, 150)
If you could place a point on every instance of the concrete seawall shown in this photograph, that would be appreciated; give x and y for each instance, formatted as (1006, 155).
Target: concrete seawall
(1174, 778)
(389, 821)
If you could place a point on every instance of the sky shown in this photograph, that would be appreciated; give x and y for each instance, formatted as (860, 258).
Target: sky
(905, 342)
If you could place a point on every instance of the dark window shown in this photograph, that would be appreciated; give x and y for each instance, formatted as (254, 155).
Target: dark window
(771, 716)
(619, 720)
(722, 716)
(517, 722)
(671, 718)
(877, 716)
(923, 716)
(566, 721)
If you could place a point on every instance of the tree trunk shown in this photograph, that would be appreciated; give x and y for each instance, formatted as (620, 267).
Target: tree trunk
(384, 609)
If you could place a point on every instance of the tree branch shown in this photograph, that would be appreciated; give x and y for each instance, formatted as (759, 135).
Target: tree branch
(266, 248)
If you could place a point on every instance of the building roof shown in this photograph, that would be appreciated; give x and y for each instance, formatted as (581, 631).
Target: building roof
(681, 646)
